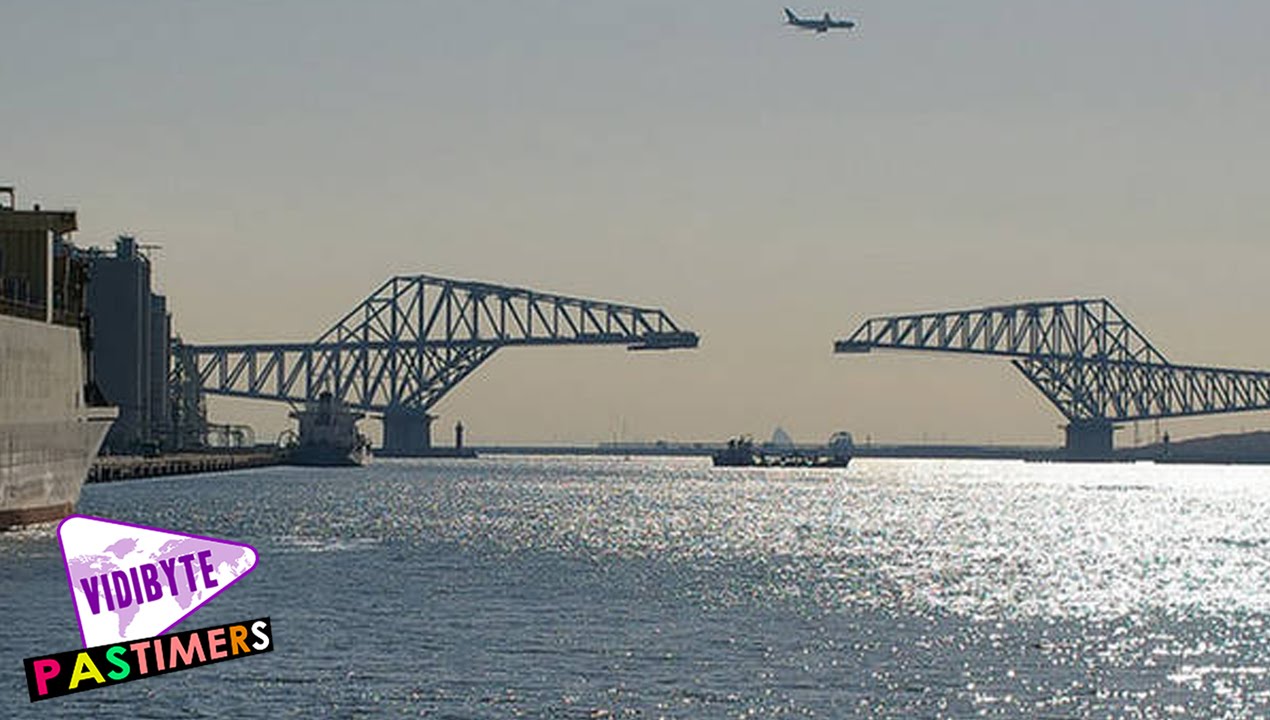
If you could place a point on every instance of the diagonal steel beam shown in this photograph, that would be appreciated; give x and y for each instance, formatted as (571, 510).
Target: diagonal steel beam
(1084, 356)
(416, 337)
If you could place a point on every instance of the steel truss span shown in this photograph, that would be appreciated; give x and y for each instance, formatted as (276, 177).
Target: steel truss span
(415, 338)
(1084, 356)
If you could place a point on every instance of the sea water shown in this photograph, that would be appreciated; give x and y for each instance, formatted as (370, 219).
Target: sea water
(661, 587)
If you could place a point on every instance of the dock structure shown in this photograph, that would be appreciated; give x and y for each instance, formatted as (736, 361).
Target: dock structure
(130, 467)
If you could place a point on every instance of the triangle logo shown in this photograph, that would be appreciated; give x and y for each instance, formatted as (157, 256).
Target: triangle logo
(131, 581)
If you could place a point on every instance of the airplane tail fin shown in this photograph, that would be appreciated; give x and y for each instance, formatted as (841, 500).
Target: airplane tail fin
(790, 16)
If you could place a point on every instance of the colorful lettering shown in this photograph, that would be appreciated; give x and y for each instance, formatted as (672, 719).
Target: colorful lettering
(46, 669)
(84, 668)
(193, 646)
(237, 639)
(114, 656)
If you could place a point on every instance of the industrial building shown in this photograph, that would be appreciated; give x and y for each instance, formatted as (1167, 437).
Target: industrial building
(130, 328)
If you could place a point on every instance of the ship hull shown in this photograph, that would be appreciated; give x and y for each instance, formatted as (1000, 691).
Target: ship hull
(30, 516)
(48, 438)
(763, 460)
(328, 456)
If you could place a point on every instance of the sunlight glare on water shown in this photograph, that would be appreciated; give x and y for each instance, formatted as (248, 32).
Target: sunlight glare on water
(979, 538)
(560, 587)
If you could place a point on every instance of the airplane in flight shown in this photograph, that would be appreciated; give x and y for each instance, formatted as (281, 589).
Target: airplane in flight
(820, 25)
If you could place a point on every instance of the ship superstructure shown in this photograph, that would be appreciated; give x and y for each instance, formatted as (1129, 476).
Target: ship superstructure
(328, 435)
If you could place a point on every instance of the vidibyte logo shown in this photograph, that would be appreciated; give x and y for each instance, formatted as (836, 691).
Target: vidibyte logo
(130, 584)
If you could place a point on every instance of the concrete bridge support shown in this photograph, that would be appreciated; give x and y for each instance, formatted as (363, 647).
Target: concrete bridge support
(1089, 439)
(407, 433)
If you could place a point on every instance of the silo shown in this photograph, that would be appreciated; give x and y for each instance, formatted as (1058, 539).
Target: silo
(119, 304)
(160, 330)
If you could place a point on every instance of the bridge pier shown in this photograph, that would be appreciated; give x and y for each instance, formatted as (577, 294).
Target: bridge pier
(407, 433)
(1089, 439)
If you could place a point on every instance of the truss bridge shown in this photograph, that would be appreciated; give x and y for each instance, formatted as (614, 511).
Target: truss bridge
(1084, 356)
(403, 348)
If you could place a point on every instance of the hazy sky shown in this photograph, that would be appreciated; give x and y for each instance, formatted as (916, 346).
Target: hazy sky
(769, 188)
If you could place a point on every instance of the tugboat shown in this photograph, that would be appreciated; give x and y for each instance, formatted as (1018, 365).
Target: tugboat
(328, 435)
(741, 452)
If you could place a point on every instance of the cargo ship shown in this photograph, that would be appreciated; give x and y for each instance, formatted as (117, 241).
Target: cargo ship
(742, 452)
(328, 435)
(49, 430)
